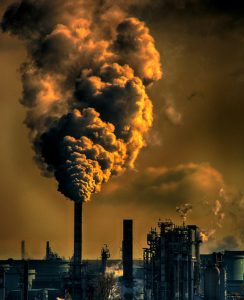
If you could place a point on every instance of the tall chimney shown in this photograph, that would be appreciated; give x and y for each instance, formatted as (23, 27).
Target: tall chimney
(127, 247)
(25, 286)
(78, 233)
(77, 293)
(23, 253)
(48, 250)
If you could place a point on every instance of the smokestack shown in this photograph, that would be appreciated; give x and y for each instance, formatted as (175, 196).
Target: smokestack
(127, 247)
(78, 233)
(77, 293)
(23, 253)
(25, 280)
(48, 250)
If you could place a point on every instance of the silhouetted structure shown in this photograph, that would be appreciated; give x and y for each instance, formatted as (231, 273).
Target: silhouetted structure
(2, 283)
(127, 249)
(233, 261)
(25, 285)
(77, 292)
(105, 254)
(50, 254)
(48, 250)
(171, 270)
(214, 279)
(228, 282)
(23, 251)
(172, 263)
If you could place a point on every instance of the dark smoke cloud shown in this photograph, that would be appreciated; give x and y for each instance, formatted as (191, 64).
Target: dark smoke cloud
(84, 86)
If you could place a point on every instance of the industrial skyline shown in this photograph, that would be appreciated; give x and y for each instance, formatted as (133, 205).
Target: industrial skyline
(173, 267)
(194, 152)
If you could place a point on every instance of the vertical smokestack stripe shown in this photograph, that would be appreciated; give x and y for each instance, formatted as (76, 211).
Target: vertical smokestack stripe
(77, 233)
(48, 250)
(25, 280)
(77, 293)
(23, 252)
(128, 253)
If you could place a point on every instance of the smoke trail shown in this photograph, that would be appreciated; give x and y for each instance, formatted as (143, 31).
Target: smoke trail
(183, 210)
(206, 234)
(84, 87)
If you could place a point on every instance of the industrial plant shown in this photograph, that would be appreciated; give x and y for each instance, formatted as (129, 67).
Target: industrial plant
(172, 268)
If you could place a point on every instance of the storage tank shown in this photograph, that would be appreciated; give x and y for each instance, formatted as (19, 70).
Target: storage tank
(234, 263)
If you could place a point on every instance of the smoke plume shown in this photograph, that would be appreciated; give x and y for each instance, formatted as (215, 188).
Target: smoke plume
(84, 87)
(183, 210)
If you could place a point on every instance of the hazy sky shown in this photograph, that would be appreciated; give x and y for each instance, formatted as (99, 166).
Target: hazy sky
(195, 151)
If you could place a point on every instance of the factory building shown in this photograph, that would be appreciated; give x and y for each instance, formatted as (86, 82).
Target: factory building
(172, 269)
(228, 273)
(234, 263)
(214, 278)
(33, 279)
(54, 277)
(39, 277)
(172, 263)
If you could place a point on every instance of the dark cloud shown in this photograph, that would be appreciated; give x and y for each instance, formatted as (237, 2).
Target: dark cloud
(27, 19)
(88, 110)
(161, 187)
(131, 50)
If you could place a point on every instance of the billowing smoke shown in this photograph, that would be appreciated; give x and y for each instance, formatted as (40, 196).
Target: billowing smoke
(171, 113)
(84, 87)
(206, 234)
